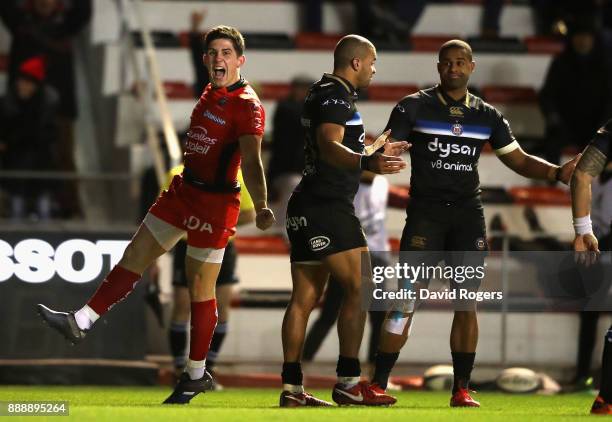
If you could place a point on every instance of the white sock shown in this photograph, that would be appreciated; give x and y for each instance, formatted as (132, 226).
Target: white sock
(349, 382)
(195, 368)
(296, 389)
(85, 317)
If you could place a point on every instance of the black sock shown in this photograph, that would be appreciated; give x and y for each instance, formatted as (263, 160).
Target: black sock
(462, 368)
(586, 343)
(215, 345)
(177, 336)
(348, 367)
(292, 373)
(606, 368)
(384, 364)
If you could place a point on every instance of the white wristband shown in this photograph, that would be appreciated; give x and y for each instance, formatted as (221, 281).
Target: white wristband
(583, 225)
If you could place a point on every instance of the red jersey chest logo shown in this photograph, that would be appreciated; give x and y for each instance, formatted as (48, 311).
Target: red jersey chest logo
(199, 141)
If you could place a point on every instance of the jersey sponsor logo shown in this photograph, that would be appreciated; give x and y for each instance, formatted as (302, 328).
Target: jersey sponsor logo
(195, 137)
(400, 108)
(294, 223)
(456, 111)
(446, 148)
(194, 223)
(257, 116)
(457, 129)
(481, 244)
(441, 165)
(318, 243)
(36, 261)
(418, 242)
(218, 120)
(336, 101)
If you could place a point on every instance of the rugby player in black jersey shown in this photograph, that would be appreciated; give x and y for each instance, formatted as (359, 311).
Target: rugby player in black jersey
(325, 235)
(448, 127)
(595, 158)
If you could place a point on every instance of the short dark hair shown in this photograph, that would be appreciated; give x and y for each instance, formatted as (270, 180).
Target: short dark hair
(449, 45)
(350, 47)
(226, 32)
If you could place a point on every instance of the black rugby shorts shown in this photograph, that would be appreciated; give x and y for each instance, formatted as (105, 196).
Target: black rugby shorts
(453, 232)
(319, 227)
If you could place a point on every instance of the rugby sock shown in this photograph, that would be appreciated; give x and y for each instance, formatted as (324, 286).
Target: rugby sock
(177, 336)
(85, 317)
(215, 344)
(292, 377)
(195, 368)
(606, 368)
(384, 364)
(348, 371)
(586, 343)
(462, 368)
(115, 287)
(203, 322)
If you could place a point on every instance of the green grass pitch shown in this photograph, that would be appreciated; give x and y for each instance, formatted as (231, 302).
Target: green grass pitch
(118, 404)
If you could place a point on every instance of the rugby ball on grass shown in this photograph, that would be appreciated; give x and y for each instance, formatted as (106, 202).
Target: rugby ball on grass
(438, 378)
(518, 380)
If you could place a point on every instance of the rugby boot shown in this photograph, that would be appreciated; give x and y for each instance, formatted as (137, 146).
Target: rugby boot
(362, 394)
(462, 398)
(600, 407)
(289, 399)
(63, 322)
(186, 388)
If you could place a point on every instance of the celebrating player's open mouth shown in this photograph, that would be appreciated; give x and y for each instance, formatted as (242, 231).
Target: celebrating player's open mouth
(218, 73)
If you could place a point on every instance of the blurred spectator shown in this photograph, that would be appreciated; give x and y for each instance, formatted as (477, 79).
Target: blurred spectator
(287, 149)
(489, 21)
(196, 48)
(48, 28)
(576, 96)
(28, 139)
(379, 20)
(552, 17)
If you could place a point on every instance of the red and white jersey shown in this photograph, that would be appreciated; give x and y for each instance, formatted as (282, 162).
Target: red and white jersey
(221, 116)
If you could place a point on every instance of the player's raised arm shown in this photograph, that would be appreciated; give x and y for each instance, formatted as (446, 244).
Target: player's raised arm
(252, 169)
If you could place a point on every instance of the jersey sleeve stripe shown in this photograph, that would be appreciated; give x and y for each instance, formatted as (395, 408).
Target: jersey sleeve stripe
(508, 148)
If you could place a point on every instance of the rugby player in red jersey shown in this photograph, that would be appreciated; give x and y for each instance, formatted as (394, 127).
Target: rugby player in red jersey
(226, 130)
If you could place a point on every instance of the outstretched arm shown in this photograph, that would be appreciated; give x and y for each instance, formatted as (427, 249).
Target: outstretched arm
(537, 168)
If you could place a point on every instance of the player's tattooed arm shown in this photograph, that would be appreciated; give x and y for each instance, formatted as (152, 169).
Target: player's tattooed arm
(592, 161)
